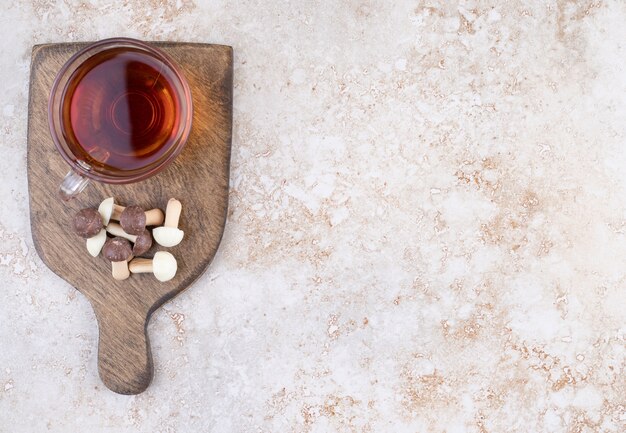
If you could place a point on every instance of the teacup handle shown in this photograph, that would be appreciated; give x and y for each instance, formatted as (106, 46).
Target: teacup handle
(72, 185)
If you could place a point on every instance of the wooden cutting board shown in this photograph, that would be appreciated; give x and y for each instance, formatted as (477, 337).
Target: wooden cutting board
(198, 178)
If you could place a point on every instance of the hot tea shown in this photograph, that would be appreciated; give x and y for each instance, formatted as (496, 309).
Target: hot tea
(121, 110)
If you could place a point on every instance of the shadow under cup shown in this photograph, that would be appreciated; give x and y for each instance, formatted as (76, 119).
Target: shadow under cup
(119, 111)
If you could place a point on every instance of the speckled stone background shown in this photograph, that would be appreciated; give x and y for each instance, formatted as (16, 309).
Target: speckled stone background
(427, 227)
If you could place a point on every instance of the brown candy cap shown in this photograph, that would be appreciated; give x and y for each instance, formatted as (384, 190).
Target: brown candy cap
(133, 220)
(87, 223)
(142, 243)
(117, 249)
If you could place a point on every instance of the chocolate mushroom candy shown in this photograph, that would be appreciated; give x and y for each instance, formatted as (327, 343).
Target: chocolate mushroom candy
(87, 223)
(163, 266)
(134, 220)
(170, 235)
(118, 251)
(141, 243)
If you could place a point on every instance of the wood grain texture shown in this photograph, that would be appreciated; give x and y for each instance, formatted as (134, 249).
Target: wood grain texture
(198, 178)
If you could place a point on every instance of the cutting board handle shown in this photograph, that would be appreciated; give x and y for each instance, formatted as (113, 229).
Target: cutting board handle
(124, 357)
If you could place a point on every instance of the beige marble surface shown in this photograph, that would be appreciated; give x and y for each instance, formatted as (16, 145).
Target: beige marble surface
(427, 227)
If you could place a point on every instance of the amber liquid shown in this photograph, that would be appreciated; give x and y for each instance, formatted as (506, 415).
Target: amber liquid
(121, 110)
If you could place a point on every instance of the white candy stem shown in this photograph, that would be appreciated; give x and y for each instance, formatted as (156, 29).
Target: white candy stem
(154, 217)
(172, 213)
(120, 270)
(141, 266)
(117, 212)
(116, 230)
